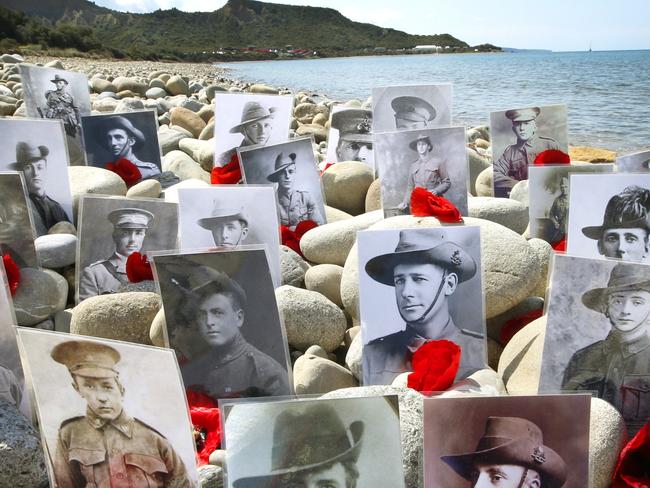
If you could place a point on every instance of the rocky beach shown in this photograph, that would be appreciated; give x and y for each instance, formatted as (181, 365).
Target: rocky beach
(319, 295)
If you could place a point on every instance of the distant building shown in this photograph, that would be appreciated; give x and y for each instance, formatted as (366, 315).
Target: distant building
(427, 48)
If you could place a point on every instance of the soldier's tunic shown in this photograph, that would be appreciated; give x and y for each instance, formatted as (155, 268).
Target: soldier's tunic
(387, 357)
(619, 372)
(429, 174)
(122, 453)
(512, 166)
(559, 215)
(46, 212)
(298, 206)
(103, 277)
(60, 105)
(236, 370)
(147, 170)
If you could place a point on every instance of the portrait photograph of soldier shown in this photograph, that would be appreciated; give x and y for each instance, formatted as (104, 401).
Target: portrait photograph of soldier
(609, 216)
(223, 322)
(598, 333)
(519, 136)
(638, 162)
(51, 93)
(415, 286)
(111, 413)
(411, 107)
(433, 159)
(350, 136)
(548, 190)
(293, 171)
(131, 135)
(539, 441)
(110, 230)
(37, 149)
(324, 443)
(245, 120)
(230, 216)
(16, 227)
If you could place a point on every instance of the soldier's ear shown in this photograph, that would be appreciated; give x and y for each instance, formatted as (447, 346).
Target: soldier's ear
(240, 317)
(451, 282)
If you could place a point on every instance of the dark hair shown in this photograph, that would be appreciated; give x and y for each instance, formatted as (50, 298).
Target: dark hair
(631, 204)
(351, 473)
(228, 287)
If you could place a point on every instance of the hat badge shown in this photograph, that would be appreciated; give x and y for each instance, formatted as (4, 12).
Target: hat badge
(455, 259)
(364, 126)
(538, 455)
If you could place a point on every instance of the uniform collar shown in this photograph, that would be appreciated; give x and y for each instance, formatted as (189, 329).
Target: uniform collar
(218, 356)
(449, 332)
(529, 143)
(628, 348)
(119, 261)
(123, 423)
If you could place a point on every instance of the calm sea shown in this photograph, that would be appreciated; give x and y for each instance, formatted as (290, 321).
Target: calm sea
(607, 92)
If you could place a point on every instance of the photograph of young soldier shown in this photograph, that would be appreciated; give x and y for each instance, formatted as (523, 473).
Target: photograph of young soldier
(638, 162)
(513, 158)
(111, 413)
(213, 323)
(350, 136)
(315, 444)
(507, 442)
(411, 107)
(424, 272)
(114, 228)
(16, 231)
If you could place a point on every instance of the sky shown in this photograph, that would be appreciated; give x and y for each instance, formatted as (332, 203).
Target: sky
(559, 25)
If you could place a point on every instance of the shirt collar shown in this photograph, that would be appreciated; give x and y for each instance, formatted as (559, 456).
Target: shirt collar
(449, 332)
(123, 423)
(629, 348)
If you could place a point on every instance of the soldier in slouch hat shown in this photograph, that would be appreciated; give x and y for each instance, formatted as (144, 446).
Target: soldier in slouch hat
(355, 135)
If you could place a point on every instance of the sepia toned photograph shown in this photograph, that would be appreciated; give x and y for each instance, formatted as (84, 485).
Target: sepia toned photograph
(113, 228)
(411, 107)
(539, 441)
(433, 159)
(638, 162)
(16, 227)
(325, 443)
(37, 148)
(230, 216)
(111, 413)
(293, 171)
(130, 135)
(519, 136)
(246, 120)
(608, 216)
(350, 136)
(417, 285)
(548, 190)
(223, 322)
(597, 334)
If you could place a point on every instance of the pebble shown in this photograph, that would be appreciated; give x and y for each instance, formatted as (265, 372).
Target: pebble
(495, 324)
(591, 154)
(184, 166)
(292, 267)
(373, 196)
(353, 358)
(509, 213)
(334, 214)
(607, 436)
(129, 104)
(346, 185)
(169, 139)
(146, 188)
(56, 250)
(12, 58)
(519, 192)
(207, 132)
(544, 252)
(200, 151)
(62, 320)
(88, 179)
(350, 334)
(326, 280)
(318, 131)
(477, 164)
(259, 88)
(210, 476)
(218, 458)
(123, 83)
(156, 92)
(316, 375)
(101, 85)
(521, 359)
(188, 120)
(106, 104)
(41, 294)
(176, 85)
(157, 331)
(63, 227)
(484, 183)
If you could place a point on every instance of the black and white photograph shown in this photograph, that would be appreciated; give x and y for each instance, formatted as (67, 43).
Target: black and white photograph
(51, 93)
(350, 136)
(433, 159)
(534, 441)
(518, 136)
(245, 120)
(548, 190)
(223, 322)
(608, 216)
(113, 228)
(16, 227)
(638, 162)
(37, 148)
(325, 443)
(293, 171)
(131, 135)
(411, 107)
(598, 334)
(111, 413)
(230, 216)
(417, 285)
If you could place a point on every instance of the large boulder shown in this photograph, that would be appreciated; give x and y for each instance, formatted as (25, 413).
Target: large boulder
(521, 360)
(188, 120)
(176, 85)
(509, 213)
(56, 250)
(90, 180)
(326, 280)
(316, 375)
(607, 436)
(40, 295)
(346, 185)
(292, 267)
(184, 166)
(373, 196)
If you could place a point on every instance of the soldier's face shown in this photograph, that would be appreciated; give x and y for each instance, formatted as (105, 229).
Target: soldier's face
(354, 151)
(119, 142)
(219, 319)
(503, 476)
(626, 244)
(128, 241)
(287, 177)
(629, 310)
(60, 85)
(257, 132)
(332, 477)
(103, 395)
(524, 129)
(422, 147)
(564, 186)
(35, 177)
(229, 233)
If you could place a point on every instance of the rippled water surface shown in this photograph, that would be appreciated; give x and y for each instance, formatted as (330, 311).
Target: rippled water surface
(607, 93)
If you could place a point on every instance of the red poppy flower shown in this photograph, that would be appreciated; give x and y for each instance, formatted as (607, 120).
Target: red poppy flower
(13, 273)
(515, 324)
(560, 246)
(552, 156)
(435, 365)
(230, 174)
(426, 204)
(291, 238)
(206, 425)
(327, 166)
(138, 268)
(633, 466)
(126, 170)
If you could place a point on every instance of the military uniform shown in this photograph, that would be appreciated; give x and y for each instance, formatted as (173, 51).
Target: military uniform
(46, 212)
(60, 105)
(429, 174)
(103, 277)
(559, 215)
(298, 206)
(147, 170)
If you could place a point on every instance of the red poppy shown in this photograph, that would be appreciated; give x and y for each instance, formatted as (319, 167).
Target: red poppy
(138, 268)
(426, 204)
(552, 156)
(206, 425)
(560, 246)
(515, 324)
(126, 170)
(435, 365)
(230, 174)
(291, 238)
(13, 273)
(327, 166)
(633, 466)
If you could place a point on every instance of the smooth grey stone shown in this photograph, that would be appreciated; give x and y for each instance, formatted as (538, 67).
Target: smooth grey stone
(41, 294)
(156, 92)
(56, 250)
(292, 267)
(191, 104)
(169, 140)
(210, 476)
